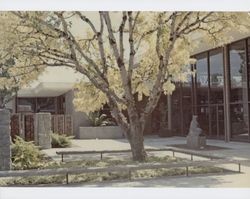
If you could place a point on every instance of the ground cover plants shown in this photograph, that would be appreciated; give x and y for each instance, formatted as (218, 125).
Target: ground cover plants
(25, 155)
(107, 176)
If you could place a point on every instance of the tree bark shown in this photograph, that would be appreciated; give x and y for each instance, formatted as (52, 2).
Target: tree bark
(137, 142)
(136, 138)
(133, 128)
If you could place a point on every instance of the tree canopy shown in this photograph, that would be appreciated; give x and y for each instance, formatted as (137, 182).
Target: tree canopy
(15, 72)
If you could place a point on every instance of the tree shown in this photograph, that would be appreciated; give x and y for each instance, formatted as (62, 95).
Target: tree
(5, 91)
(12, 77)
(126, 56)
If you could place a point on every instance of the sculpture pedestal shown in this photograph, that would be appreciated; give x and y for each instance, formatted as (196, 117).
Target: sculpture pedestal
(196, 142)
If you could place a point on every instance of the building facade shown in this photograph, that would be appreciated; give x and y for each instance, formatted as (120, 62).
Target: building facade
(219, 94)
(52, 92)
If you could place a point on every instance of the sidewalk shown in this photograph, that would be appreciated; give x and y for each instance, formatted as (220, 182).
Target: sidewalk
(233, 150)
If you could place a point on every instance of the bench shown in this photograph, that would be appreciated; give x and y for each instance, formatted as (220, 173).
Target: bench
(102, 152)
(119, 168)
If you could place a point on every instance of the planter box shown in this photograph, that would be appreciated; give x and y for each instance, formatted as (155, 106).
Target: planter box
(101, 132)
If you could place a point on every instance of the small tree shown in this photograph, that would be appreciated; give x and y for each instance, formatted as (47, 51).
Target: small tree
(124, 55)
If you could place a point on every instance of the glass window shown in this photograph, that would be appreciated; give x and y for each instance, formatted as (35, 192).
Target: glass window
(26, 105)
(216, 76)
(201, 70)
(239, 121)
(46, 104)
(203, 118)
(61, 104)
(188, 83)
(238, 96)
(238, 72)
(202, 79)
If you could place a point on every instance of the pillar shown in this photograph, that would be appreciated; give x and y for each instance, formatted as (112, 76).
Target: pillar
(5, 140)
(42, 130)
(169, 112)
(226, 93)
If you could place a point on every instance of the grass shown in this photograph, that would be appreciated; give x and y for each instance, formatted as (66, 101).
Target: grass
(108, 176)
(111, 162)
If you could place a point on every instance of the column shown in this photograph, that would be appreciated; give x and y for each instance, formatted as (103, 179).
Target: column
(169, 97)
(227, 94)
(5, 150)
(43, 130)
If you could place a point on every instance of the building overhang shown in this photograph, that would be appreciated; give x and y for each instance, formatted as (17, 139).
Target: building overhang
(53, 82)
(205, 46)
(46, 89)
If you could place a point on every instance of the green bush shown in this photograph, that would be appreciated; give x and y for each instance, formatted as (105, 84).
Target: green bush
(60, 141)
(98, 119)
(25, 155)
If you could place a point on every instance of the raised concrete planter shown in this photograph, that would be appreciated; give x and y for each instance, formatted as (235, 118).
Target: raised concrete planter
(101, 132)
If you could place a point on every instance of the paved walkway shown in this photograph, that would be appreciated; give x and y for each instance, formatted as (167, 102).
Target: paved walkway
(233, 150)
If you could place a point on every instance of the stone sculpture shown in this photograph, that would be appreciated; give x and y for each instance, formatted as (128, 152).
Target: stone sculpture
(194, 127)
(195, 139)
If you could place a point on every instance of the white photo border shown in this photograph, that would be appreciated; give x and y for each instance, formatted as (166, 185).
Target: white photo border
(117, 5)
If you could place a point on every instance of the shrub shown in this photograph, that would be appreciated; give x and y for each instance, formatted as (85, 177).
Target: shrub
(60, 141)
(25, 155)
(98, 119)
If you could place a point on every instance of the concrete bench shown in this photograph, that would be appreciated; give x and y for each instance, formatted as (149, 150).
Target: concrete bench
(119, 168)
(102, 152)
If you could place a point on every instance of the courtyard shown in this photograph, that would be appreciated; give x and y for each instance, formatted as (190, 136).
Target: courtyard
(231, 150)
(88, 87)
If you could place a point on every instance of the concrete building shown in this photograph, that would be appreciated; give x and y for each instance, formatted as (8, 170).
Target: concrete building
(219, 94)
(53, 92)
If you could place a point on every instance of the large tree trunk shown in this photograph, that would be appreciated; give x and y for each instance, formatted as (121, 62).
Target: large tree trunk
(136, 141)
(133, 129)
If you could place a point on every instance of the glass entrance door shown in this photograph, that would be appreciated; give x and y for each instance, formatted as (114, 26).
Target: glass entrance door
(239, 106)
(217, 121)
(209, 84)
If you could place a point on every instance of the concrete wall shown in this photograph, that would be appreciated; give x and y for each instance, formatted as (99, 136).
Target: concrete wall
(42, 130)
(79, 118)
(5, 151)
(101, 132)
